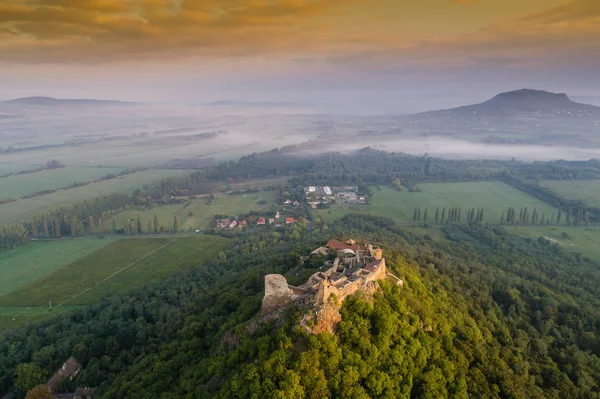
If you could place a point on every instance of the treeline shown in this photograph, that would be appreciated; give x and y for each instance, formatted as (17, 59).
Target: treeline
(575, 209)
(53, 164)
(12, 236)
(52, 227)
(453, 215)
(380, 167)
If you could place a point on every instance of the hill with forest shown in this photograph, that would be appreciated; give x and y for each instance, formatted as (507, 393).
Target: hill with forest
(520, 102)
(481, 314)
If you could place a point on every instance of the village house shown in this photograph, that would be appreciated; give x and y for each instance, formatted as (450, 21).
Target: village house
(84, 393)
(290, 220)
(69, 370)
(261, 221)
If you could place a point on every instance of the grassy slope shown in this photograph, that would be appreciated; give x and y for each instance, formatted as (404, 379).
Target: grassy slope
(202, 213)
(493, 197)
(26, 209)
(586, 190)
(37, 259)
(18, 186)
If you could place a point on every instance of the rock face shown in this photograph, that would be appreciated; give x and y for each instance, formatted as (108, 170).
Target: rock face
(277, 294)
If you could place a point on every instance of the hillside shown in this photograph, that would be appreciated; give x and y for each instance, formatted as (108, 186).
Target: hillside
(472, 320)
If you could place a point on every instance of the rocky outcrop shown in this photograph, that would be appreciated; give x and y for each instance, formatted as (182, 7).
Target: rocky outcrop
(277, 294)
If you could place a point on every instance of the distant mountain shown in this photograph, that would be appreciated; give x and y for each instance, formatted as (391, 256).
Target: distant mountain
(50, 101)
(520, 102)
(236, 103)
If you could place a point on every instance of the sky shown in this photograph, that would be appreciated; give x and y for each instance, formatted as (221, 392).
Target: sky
(402, 55)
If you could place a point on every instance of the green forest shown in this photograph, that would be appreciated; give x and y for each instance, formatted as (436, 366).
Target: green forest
(486, 314)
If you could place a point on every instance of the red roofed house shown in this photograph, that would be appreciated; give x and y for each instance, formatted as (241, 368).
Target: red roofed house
(261, 221)
(290, 220)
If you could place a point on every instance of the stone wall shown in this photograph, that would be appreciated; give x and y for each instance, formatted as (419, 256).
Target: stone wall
(277, 294)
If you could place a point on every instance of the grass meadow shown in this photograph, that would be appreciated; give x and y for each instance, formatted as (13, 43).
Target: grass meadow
(586, 190)
(21, 185)
(18, 211)
(118, 267)
(72, 279)
(28, 263)
(493, 197)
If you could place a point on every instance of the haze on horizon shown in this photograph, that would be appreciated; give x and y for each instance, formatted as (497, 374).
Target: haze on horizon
(377, 55)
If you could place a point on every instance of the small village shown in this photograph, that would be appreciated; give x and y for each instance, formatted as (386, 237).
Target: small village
(320, 196)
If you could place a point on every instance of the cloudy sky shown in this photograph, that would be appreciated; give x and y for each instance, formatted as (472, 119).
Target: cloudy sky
(416, 54)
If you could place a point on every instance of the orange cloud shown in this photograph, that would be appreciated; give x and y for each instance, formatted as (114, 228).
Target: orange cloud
(93, 31)
(100, 30)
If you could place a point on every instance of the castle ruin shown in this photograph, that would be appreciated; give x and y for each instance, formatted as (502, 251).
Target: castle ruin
(355, 267)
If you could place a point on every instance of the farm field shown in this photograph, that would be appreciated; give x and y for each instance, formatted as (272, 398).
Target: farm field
(182, 254)
(37, 259)
(6, 168)
(30, 183)
(15, 212)
(493, 197)
(68, 281)
(196, 214)
(586, 190)
(121, 266)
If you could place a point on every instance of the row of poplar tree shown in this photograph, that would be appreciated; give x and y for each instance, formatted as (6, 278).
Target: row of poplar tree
(524, 217)
(452, 215)
(571, 217)
(41, 227)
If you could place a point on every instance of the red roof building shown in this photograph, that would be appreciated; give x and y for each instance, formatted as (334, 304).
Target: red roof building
(261, 221)
(290, 220)
(339, 245)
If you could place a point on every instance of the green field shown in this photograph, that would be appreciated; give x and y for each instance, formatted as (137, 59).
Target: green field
(493, 197)
(184, 253)
(118, 267)
(37, 259)
(201, 213)
(18, 211)
(20, 185)
(82, 274)
(586, 190)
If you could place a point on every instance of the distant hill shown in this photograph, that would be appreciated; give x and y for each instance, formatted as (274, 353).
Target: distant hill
(236, 103)
(520, 102)
(50, 101)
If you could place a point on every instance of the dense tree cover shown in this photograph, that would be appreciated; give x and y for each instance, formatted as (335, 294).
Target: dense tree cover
(487, 315)
(11, 236)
